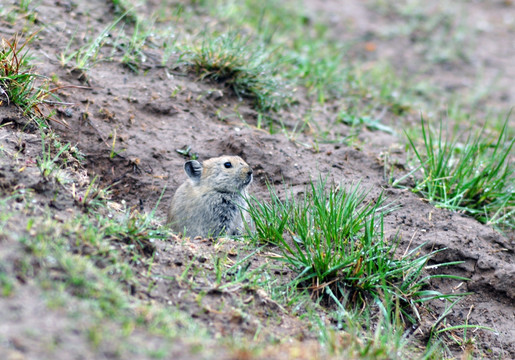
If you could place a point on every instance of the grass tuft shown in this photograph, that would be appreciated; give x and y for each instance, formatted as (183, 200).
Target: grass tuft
(476, 177)
(333, 239)
(242, 65)
(19, 84)
(17, 81)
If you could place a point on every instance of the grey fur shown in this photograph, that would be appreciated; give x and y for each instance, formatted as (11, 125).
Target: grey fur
(194, 170)
(209, 203)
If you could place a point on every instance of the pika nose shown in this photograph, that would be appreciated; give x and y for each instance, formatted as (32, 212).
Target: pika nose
(250, 171)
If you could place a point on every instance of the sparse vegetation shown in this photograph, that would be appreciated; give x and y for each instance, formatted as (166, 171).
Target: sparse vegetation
(87, 55)
(244, 66)
(438, 28)
(305, 54)
(18, 81)
(475, 177)
(133, 47)
(84, 258)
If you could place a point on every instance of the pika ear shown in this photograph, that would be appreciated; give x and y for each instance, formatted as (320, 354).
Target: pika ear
(194, 170)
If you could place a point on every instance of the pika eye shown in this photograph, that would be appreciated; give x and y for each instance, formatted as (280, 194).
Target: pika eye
(228, 165)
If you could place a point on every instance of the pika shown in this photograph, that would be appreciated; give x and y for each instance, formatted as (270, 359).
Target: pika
(210, 202)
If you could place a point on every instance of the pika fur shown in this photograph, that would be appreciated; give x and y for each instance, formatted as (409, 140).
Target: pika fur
(209, 203)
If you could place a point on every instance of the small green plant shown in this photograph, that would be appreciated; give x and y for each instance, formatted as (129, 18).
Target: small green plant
(86, 56)
(93, 197)
(18, 10)
(132, 47)
(375, 332)
(127, 9)
(50, 164)
(136, 230)
(333, 239)
(24, 5)
(187, 153)
(6, 284)
(370, 123)
(17, 81)
(243, 65)
(56, 157)
(476, 177)
(238, 273)
(440, 327)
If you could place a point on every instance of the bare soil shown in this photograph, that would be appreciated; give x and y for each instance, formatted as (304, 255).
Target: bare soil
(150, 125)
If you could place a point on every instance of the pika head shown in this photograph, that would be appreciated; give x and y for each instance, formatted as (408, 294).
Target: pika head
(222, 174)
(211, 201)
